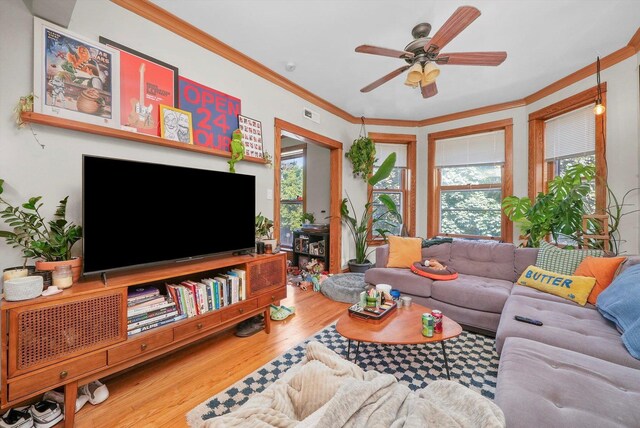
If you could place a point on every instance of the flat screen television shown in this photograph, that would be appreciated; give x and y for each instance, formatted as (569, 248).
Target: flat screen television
(138, 213)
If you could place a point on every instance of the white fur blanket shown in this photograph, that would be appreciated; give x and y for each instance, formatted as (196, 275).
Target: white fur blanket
(325, 390)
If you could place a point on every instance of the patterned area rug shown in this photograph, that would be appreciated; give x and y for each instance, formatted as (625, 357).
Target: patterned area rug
(472, 359)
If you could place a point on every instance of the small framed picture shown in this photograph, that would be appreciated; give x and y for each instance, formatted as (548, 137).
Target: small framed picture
(251, 136)
(176, 124)
(75, 78)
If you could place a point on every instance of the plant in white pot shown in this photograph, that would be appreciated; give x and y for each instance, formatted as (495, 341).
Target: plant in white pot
(360, 228)
(48, 242)
(264, 231)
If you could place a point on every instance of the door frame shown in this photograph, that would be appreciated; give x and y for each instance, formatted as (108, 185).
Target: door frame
(335, 178)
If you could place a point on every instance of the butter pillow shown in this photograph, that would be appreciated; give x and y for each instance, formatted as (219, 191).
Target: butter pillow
(404, 251)
(603, 269)
(574, 288)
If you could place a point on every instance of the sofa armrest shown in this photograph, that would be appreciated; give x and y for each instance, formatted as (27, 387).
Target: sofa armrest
(382, 256)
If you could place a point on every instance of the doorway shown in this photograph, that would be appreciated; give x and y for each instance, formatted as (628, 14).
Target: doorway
(299, 144)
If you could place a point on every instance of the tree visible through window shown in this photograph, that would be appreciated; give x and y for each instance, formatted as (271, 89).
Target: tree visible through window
(291, 196)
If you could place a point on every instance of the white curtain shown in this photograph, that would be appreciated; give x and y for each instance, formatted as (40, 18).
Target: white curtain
(572, 134)
(476, 149)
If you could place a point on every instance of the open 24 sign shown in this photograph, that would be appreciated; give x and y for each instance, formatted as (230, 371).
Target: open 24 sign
(215, 114)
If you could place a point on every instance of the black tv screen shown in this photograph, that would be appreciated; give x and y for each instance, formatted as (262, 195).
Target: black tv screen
(137, 213)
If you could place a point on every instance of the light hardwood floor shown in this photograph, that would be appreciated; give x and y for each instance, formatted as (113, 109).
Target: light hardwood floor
(161, 392)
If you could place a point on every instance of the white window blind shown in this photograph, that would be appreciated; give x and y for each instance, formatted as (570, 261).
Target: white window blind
(476, 149)
(384, 150)
(572, 134)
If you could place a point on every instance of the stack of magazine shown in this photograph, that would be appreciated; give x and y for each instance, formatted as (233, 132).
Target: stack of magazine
(148, 309)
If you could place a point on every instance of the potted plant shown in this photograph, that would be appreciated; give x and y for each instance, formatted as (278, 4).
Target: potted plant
(558, 212)
(49, 242)
(361, 228)
(264, 230)
(362, 155)
(307, 218)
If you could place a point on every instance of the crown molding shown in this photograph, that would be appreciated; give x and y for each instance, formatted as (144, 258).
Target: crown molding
(165, 19)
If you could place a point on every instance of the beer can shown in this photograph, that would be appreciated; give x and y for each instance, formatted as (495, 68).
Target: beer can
(437, 320)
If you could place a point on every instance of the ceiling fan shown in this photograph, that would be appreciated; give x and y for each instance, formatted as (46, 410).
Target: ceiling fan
(423, 53)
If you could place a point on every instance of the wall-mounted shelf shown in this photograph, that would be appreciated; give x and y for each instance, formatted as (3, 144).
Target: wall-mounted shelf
(44, 119)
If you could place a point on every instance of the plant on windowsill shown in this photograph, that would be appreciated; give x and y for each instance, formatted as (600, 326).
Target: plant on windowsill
(264, 230)
(359, 228)
(49, 242)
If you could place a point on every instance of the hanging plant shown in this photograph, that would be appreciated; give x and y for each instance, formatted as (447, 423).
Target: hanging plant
(362, 154)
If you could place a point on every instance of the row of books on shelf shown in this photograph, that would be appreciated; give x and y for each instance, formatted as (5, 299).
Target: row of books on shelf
(148, 309)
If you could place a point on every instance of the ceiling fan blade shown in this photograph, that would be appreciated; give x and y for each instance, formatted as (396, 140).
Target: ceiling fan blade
(375, 50)
(384, 79)
(429, 90)
(461, 18)
(472, 58)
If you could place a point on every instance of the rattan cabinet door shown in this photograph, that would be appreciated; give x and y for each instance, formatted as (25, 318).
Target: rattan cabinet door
(266, 274)
(44, 334)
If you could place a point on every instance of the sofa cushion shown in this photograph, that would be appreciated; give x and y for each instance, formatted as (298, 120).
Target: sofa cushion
(524, 257)
(570, 287)
(403, 252)
(473, 292)
(487, 259)
(487, 321)
(400, 279)
(440, 252)
(562, 261)
(520, 290)
(603, 269)
(545, 386)
(565, 326)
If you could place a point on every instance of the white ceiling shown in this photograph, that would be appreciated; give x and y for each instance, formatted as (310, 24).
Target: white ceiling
(545, 40)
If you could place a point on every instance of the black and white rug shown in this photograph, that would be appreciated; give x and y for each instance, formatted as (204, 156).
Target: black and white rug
(472, 359)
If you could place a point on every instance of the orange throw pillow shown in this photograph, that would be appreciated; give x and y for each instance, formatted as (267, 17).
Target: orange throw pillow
(404, 251)
(603, 269)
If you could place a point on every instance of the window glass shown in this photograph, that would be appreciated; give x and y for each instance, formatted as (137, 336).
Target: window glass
(472, 174)
(471, 212)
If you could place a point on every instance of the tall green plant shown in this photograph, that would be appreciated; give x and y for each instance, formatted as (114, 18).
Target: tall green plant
(360, 228)
(558, 212)
(38, 239)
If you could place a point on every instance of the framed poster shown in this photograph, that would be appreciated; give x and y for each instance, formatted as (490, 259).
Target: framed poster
(145, 84)
(175, 124)
(215, 114)
(251, 136)
(73, 77)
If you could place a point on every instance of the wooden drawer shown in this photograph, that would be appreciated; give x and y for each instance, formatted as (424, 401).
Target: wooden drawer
(199, 324)
(55, 375)
(239, 309)
(274, 296)
(137, 347)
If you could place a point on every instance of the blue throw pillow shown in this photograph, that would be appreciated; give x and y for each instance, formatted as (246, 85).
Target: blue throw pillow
(620, 303)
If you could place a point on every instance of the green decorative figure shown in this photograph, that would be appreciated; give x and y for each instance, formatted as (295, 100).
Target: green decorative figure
(237, 150)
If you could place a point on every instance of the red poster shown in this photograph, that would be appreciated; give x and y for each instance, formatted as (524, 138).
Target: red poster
(145, 84)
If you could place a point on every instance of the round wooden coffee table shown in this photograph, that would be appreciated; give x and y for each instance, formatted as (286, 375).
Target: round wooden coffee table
(402, 327)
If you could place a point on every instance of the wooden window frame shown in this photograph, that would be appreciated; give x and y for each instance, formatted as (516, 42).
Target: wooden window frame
(284, 157)
(540, 171)
(409, 193)
(433, 176)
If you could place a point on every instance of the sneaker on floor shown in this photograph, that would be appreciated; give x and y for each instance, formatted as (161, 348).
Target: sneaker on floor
(17, 418)
(46, 413)
(58, 397)
(96, 391)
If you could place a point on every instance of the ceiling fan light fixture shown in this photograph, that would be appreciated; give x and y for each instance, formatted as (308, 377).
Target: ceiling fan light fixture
(414, 75)
(431, 72)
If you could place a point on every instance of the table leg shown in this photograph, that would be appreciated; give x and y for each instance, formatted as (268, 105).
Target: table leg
(70, 396)
(267, 321)
(355, 360)
(349, 350)
(446, 362)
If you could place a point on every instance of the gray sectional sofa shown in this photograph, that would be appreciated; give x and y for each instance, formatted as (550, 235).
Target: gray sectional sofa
(573, 371)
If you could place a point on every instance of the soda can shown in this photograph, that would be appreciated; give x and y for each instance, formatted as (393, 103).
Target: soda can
(427, 319)
(437, 320)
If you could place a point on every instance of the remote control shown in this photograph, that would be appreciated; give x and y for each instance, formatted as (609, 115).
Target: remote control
(528, 320)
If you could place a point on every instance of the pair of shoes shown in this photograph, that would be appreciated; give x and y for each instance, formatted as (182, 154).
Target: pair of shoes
(17, 418)
(43, 414)
(250, 326)
(279, 313)
(58, 397)
(95, 391)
